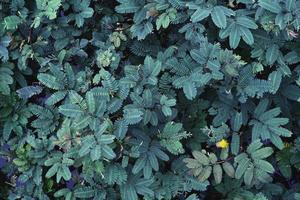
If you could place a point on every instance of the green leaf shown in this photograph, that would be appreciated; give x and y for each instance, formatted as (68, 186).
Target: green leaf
(85, 149)
(52, 161)
(107, 139)
(61, 192)
(108, 152)
(96, 153)
(217, 171)
(56, 97)
(270, 5)
(84, 192)
(228, 169)
(19, 162)
(53, 170)
(235, 144)
(234, 37)
(242, 167)
(70, 110)
(121, 129)
(272, 54)
(128, 192)
(290, 4)
(199, 15)
(201, 157)
(49, 81)
(261, 107)
(139, 165)
(237, 122)
(127, 7)
(153, 161)
(133, 115)
(189, 90)
(255, 145)
(11, 22)
(281, 131)
(167, 111)
(276, 140)
(7, 129)
(269, 114)
(87, 13)
(192, 197)
(277, 121)
(218, 17)
(262, 153)
(102, 128)
(264, 165)
(91, 102)
(29, 91)
(82, 122)
(248, 177)
(205, 174)
(66, 174)
(275, 77)
(246, 22)
(247, 35)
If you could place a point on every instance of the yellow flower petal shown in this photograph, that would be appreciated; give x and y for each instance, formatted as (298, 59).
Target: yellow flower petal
(223, 144)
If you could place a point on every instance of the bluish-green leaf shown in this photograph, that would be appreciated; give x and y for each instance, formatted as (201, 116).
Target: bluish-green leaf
(218, 17)
(70, 110)
(272, 54)
(270, 5)
(234, 37)
(200, 14)
(189, 90)
(235, 144)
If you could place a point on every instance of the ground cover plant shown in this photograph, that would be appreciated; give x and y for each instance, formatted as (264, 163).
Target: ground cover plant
(150, 99)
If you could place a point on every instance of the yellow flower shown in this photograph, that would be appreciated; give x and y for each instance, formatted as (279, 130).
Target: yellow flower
(223, 144)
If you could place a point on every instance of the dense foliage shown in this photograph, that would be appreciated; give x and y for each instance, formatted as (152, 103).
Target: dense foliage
(150, 99)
